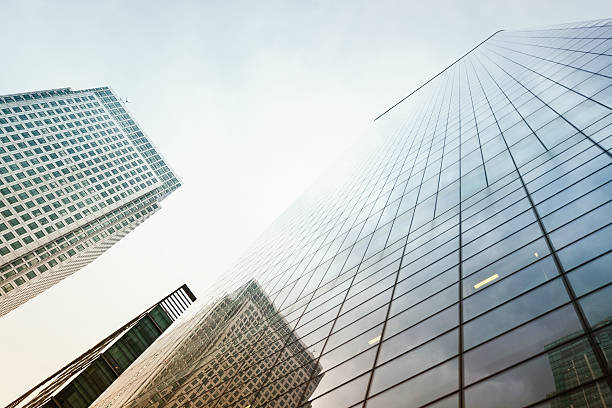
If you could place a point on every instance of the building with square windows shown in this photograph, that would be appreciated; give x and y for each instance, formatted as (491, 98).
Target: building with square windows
(221, 356)
(76, 175)
(459, 256)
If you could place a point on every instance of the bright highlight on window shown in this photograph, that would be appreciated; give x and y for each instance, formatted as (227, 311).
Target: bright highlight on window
(484, 282)
(374, 340)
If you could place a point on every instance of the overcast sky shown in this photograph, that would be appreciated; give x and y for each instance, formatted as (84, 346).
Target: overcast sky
(248, 101)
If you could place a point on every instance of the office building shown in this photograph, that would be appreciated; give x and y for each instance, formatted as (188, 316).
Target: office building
(76, 175)
(458, 257)
(572, 364)
(81, 381)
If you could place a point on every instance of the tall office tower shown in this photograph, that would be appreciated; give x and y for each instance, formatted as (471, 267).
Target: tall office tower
(460, 258)
(76, 175)
(81, 381)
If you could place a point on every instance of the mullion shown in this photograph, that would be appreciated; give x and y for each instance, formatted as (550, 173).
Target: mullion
(413, 139)
(577, 307)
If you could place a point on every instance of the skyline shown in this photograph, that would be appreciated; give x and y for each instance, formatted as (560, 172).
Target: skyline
(280, 154)
(460, 260)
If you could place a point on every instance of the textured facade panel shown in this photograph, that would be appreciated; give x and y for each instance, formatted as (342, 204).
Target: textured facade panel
(461, 258)
(76, 175)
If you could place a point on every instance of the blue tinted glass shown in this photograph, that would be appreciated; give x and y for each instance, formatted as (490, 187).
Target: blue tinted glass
(592, 275)
(539, 378)
(421, 389)
(598, 306)
(515, 312)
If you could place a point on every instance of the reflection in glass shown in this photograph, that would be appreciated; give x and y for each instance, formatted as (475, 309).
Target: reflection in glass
(597, 395)
(350, 348)
(337, 375)
(418, 334)
(415, 361)
(421, 389)
(343, 396)
(517, 311)
(520, 343)
(564, 365)
(239, 348)
(603, 339)
(592, 275)
(497, 291)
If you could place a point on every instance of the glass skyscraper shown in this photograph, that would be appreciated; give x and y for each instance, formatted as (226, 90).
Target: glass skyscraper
(458, 257)
(76, 175)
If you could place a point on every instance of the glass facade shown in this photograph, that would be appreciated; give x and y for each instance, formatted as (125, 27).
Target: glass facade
(460, 257)
(76, 175)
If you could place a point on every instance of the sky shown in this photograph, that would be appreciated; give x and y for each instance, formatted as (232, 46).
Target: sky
(249, 102)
